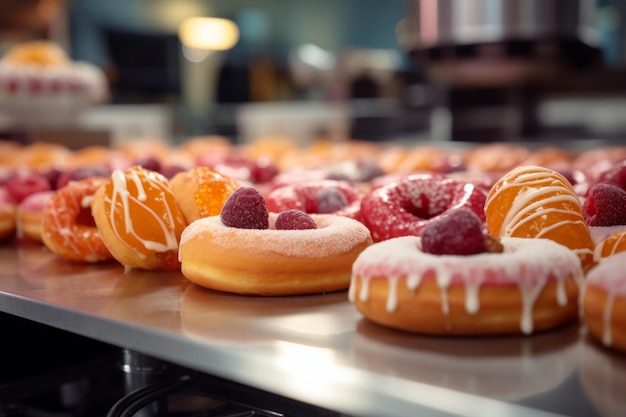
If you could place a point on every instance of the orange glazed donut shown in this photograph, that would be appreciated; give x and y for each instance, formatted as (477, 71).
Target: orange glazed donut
(531, 286)
(610, 246)
(139, 220)
(201, 192)
(68, 228)
(270, 261)
(537, 202)
(604, 302)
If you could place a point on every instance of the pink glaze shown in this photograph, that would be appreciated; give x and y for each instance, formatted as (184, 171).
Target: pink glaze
(610, 276)
(526, 263)
(5, 197)
(404, 207)
(304, 195)
(35, 202)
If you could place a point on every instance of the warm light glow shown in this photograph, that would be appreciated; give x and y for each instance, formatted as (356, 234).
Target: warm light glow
(208, 33)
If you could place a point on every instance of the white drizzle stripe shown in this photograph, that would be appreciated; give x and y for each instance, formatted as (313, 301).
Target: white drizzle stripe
(526, 263)
(597, 253)
(121, 198)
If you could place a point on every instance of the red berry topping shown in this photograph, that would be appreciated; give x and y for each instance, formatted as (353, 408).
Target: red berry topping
(458, 232)
(604, 205)
(263, 171)
(245, 209)
(24, 184)
(294, 220)
(330, 200)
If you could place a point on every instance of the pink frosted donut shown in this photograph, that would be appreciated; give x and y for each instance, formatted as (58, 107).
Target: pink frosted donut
(317, 197)
(604, 301)
(532, 285)
(29, 216)
(406, 206)
(270, 261)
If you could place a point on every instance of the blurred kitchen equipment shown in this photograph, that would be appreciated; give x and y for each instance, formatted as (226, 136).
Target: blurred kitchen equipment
(491, 63)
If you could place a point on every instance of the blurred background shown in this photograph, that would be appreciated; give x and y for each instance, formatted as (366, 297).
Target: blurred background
(435, 70)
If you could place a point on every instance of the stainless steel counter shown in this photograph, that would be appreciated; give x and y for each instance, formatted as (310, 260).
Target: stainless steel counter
(315, 349)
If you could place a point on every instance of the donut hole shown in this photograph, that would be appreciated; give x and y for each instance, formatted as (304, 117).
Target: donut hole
(85, 218)
(422, 208)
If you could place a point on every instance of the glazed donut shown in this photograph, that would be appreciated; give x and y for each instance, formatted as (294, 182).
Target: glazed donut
(604, 302)
(68, 228)
(8, 210)
(538, 202)
(270, 261)
(405, 207)
(29, 215)
(531, 286)
(609, 246)
(496, 157)
(37, 53)
(317, 197)
(139, 220)
(201, 192)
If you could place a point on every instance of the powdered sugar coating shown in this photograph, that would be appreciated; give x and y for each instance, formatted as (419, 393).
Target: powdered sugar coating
(404, 207)
(610, 275)
(334, 234)
(526, 263)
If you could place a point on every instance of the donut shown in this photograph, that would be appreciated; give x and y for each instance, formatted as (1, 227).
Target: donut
(538, 202)
(317, 197)
(139, 220)
(68, 228)
(531, 286)
(8, 210)
(29, 215)
(609, 246)
(201, 192)
(35, 53)
(496, 157)
(406, 206)
(269, 261)
(604, 302)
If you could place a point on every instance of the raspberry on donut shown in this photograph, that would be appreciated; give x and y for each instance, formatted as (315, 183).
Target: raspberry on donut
(317, 197)
(406, 206)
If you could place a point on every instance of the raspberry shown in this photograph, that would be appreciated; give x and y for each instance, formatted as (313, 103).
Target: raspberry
(150, 163)
(263, 171)
(294, 220)
(458, 232)
(24, 184)
(245, 209)
(330, 200)
(604, 205)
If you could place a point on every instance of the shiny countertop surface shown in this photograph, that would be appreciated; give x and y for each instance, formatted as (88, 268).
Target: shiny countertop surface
(316, 349)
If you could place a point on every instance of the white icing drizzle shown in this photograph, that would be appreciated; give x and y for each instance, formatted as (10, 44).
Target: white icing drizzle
(597, 253)
(121, 198)
(527, 263)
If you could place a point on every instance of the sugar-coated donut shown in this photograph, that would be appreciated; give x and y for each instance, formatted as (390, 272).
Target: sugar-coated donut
(406, 206)
(339, 197)
(201, 192)
(604, 302)
(29, 215)
(538, 202)
(68, 228)
(270, 261)
(533, 285)
(8, 209)
(139, 220)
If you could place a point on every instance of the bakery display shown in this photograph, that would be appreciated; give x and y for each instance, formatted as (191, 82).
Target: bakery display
(40, 85)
